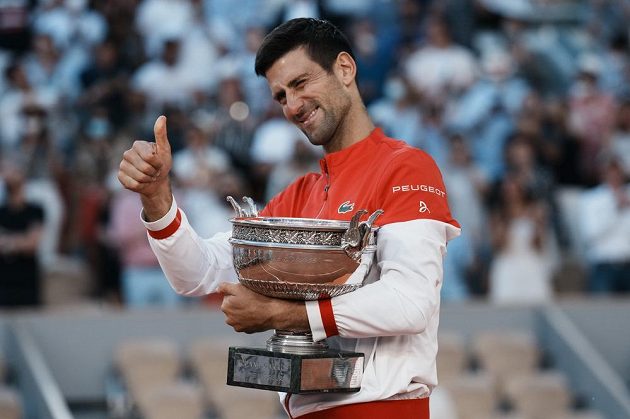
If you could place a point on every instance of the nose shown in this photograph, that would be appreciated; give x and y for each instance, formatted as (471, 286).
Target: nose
(293, 107)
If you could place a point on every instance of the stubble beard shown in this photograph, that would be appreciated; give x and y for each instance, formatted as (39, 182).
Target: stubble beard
(325, 134)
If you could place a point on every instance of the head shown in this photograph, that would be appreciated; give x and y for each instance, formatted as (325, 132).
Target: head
(438, 33)
(170, 52)
(195, 138)
(16, 76)
(520, 154)
(310, 68)
(321, 39)
(14, 177)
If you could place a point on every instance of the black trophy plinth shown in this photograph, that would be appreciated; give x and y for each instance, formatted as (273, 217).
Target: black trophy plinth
(329, 371)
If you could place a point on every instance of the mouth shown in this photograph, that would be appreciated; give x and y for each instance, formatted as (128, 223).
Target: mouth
(308, 118)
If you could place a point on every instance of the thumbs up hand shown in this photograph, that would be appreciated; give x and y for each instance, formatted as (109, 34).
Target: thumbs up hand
(144, 169)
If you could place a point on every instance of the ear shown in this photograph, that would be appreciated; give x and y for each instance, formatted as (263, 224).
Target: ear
(345, 68)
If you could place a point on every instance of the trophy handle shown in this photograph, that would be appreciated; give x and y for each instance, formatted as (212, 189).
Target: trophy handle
(352, 236)
(359, 234)
(251, 206)
(366, 227)
(237, 208)
(249, 211)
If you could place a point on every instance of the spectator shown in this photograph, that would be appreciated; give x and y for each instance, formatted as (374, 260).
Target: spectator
(375, 51)
(524, 258)
(233, 122)
(20, 95)
(167, 73)
(466, 188)
(104, 82)
(143, 283)
(591, 115)
(441, 66)
(274, 144)
(560, 150)
(399, 111)
(620, 139)
(20, 234)
(198, 168)
(605, 221)
(304, 159)
(160, 21)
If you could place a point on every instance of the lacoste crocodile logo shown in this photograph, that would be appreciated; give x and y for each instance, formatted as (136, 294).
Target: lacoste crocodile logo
(345, 207)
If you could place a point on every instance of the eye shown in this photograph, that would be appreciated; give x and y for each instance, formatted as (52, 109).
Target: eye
(280, 97)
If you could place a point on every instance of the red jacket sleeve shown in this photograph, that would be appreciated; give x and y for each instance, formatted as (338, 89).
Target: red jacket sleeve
(413, 189)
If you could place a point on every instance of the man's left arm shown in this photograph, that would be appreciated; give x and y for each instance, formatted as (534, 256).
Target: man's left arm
(405, 297)
(411, 245)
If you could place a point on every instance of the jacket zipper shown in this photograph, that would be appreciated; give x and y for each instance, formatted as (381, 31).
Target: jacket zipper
(326, 188)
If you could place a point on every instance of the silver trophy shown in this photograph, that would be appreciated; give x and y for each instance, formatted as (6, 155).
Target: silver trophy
(299, 259)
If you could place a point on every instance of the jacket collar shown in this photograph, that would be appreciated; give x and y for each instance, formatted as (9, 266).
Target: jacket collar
(360, 150)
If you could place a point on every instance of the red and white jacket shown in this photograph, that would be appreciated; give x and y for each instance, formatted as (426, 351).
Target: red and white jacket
(394, 318)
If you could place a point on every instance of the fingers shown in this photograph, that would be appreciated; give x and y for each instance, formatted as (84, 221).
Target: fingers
(140, 166)
(142, 158)
(226, 288)
(129, 170)
(161, 138)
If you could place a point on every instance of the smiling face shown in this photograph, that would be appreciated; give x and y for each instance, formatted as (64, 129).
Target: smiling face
(316, 101)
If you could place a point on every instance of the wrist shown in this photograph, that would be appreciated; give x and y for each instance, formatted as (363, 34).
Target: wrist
(157, 205)
(289, 315)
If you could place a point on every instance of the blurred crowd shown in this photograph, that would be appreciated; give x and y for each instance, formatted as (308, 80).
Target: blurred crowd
(524, 104)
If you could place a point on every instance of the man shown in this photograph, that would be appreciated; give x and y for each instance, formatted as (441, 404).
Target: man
(604, 217)
(393, 320)
(20, 236)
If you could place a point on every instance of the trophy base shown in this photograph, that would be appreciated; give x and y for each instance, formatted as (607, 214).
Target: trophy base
(325, 372)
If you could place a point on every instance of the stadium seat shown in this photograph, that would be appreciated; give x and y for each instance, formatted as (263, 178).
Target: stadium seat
(175, 400)
(506, 354)
(474, 395)
(209, 360)
(542, 395)
(452, 356)
(587, 414)
(10, 404)
(147, 365)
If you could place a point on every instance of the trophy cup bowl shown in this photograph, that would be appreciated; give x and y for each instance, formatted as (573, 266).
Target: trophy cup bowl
(299, 259)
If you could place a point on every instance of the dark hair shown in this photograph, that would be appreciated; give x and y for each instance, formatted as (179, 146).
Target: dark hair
(323, 42)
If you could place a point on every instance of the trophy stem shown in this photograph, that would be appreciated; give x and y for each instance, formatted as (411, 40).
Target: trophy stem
(295, 343)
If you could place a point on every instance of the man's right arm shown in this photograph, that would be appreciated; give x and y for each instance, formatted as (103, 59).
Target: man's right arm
(193, 266)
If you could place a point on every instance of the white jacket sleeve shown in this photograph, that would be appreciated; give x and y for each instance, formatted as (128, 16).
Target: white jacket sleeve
(193, 266)
(409, 258)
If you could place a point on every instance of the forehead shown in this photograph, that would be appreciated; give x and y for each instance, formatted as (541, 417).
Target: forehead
(291, 65)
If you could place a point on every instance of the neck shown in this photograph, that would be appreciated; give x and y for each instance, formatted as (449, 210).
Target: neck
(355, 126)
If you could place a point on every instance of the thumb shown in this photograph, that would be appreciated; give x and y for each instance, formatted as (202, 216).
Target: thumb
(161, 138)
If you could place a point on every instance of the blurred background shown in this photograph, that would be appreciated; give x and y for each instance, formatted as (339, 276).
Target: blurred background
(524, 105)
